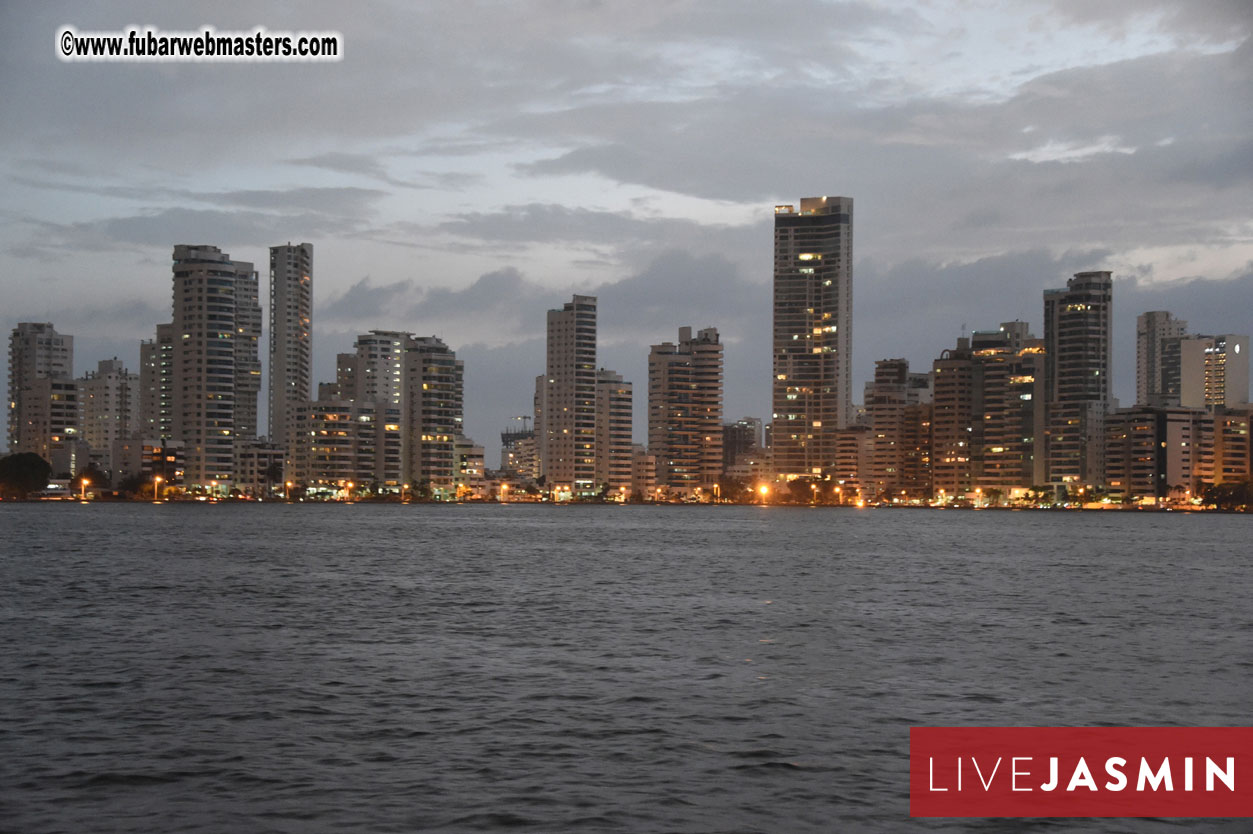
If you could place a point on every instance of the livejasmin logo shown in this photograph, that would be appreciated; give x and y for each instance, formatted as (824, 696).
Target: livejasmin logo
(1081, 771)
(1149, 779)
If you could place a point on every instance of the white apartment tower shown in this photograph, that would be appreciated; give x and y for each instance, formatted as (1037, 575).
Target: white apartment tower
(813, 332)
(37, 352)
(291, 336)
(216, 365)
(108, 409)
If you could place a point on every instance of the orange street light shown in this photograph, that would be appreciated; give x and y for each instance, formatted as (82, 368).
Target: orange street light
(83, 489)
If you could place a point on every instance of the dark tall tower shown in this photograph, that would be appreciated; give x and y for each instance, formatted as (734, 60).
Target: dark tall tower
(813, 332)
(291, 336)
(1077, 344)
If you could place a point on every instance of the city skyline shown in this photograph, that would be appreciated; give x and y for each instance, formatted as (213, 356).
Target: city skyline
(993, 154)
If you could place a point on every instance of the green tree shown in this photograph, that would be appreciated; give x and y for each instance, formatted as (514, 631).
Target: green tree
(1232, 496)
(135, 485)
(23, 473)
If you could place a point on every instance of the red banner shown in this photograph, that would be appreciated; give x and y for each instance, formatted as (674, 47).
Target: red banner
(1081, 771)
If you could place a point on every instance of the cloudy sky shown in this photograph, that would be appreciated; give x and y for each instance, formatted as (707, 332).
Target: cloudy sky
(468, 165)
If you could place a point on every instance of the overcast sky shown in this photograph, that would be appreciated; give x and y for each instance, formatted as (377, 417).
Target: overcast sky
(467, 165)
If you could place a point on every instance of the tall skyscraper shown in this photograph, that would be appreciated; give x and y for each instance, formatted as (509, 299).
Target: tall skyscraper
(813, 330)
(568, 444)
(685, 411)
(613, 433)
(216, 365)
(43, 402)
(291, 335)
(156, 385)
(1077, 324)
(434, 383)
(1157, 358)
(953, 415)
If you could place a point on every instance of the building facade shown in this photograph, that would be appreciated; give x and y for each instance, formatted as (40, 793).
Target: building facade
(1077, 341)
(1213, 371)
(1157, 358)
(433, 416)
(614, 418)
(37, 352)
(346, 444)
(565, 419)
(291, 336)
(888, 400)
(108, 409)
(685, 411)
(156, 384)
(216, 364)
(813, 329)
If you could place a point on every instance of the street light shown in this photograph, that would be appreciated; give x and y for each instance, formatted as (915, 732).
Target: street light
(83, 489)
(350, 486)
(764, 491)
(156, 488)
(287, 493)
(504, 493)
(213, 492)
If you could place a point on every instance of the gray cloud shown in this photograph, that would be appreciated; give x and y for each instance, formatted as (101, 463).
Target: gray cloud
(366, 301)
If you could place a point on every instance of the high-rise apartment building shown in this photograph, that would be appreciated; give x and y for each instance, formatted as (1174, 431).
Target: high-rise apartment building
(38, 352)
(613, 433)
(415, 386)
(888, 400)
(813, 329)
(342, 442)
(1213, 371)
(743, 437)
(566, 428)
(108, 409)
(685, 411)
(1077, 327)
(156, 384)
(988, 417)
(954, 408)
(216, 364)
(291, 336)
(1151, 452)
(1011, 409)
(434, 382)
(1157, 358)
